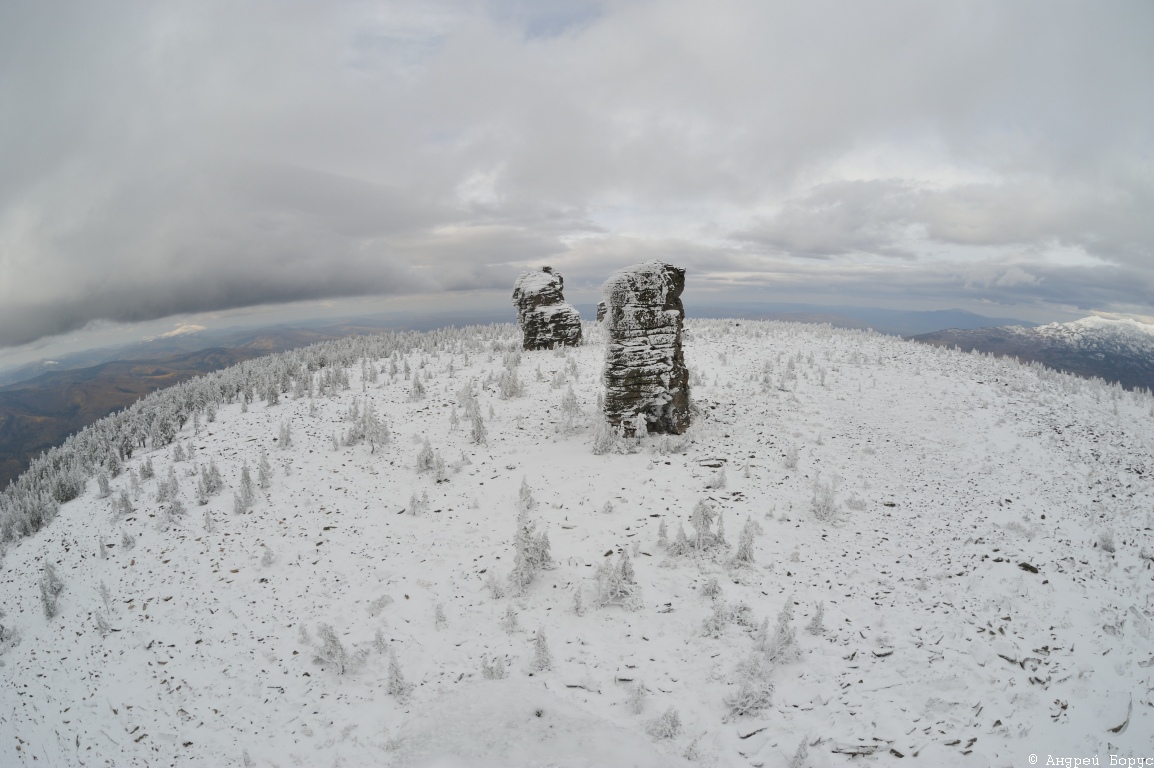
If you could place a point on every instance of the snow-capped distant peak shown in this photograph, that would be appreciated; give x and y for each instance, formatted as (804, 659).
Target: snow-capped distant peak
(180, 330)
(1097, 324)
(1095, 328)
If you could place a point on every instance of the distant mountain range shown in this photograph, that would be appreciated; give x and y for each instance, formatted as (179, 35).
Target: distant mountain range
(893, 322)
(1114, 350)
(44, 402)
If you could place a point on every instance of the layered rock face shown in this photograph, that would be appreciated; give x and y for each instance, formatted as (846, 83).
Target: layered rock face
(644, 366)
(546, 320)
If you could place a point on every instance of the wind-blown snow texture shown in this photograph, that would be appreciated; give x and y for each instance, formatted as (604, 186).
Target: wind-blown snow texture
(973, 614)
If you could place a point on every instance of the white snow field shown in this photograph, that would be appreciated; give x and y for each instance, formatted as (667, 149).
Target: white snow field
(976, 532)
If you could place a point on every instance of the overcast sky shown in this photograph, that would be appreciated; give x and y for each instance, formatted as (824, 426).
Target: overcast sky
(186, 157)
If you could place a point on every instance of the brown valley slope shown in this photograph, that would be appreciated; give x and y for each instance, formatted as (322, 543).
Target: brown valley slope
(42, 412)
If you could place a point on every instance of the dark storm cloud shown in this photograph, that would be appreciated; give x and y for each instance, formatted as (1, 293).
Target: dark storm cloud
(186, 157)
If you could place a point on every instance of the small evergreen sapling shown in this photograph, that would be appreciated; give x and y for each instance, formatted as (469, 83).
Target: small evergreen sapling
(755, 686)
(397, 685)
(509, 620)
(744, 554)
(783, 647)
(617, 584)
(667, 726)
(332, 651)
(637, 696)
(815, 626)
(542, 658)
(425, 457)
(51, 585)
(493, 667)
(530, 552)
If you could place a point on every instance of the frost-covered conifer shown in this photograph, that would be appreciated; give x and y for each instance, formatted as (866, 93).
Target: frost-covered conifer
(285, 439)
(525, 499)
(123, 505)
(542, 658)
(417, 388)
(332, 651)
(146, 470)
(815, 626)
(51, 585)
(791, 456)
(213, 482)
(744, 554)
(637, 696)
(425, 457)
(439, 620)
(578, 603)
(509, 620)
(396, 685)
(570, 409)
(667, 726)
(264, 471)
(754, 687)
(718, 619)
(801, 756)
(662, 534)
(478, 433)
(783, 647)
(492, 667)
(247, 492)
(509, 384)
(530, 552)
(617, 584)
(178, 453)
(102, 484)
(710, 588)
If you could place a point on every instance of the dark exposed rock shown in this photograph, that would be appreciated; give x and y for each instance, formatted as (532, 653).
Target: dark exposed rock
(644, 366)
(601, 310)
(546, 320)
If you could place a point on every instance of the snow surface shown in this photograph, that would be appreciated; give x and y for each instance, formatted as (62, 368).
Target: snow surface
(951, 472)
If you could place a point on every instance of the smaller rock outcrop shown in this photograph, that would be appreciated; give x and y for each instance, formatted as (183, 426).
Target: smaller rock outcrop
(601, 310)
(645, 374)
(546, 320)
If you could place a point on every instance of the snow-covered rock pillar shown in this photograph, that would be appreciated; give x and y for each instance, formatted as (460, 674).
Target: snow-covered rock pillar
(644, 366)
(546, 320)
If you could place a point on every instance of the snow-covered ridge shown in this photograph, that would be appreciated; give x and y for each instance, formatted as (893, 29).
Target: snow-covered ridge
(954, 561)
(1097, 332)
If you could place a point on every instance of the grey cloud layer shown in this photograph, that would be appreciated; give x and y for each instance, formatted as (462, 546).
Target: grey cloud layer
(176, 158)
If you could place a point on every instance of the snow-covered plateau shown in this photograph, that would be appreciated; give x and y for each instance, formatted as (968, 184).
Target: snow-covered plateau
(905, 554)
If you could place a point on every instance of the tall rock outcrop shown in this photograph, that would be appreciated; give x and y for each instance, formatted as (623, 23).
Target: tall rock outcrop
(546, 320)
(644, 366)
